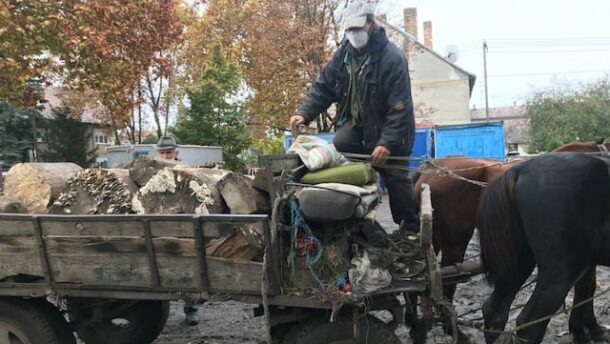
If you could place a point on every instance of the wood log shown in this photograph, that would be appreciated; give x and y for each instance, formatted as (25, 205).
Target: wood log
(241, 196)
(11, 205)
(96, 191)
(37, 185)
(235, 246)
(144, 168)
(181, 190)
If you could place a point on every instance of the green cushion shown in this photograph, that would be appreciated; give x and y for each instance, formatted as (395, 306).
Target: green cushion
(354, 174)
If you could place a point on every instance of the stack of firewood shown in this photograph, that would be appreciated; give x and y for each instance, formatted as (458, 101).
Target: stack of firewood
(147, 186)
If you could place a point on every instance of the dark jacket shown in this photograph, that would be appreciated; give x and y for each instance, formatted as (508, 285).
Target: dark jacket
(386, 98)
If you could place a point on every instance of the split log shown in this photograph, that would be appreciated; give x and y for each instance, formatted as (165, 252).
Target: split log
(11, 205)
(144, 168)
(96, 191)
(181, 190)
(37, 185)
(241, 196)
(235, 246)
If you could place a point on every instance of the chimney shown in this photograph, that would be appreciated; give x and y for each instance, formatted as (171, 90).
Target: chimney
(428, 34)
(411, 21)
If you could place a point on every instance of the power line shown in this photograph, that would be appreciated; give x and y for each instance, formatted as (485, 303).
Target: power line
(549, 73)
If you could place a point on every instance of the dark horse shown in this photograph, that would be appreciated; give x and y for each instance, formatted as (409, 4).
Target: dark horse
(553, 212)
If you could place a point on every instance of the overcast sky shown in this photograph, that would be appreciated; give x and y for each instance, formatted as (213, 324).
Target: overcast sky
(532, 44)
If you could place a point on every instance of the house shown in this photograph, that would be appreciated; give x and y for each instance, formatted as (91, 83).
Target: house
(441, 89)
(100, 133)
(516, 126)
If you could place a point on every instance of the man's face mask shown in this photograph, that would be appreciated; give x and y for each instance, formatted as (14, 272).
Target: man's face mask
(357, 37)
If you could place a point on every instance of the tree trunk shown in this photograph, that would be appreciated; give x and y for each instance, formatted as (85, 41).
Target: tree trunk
(37, 185)
(181, 190)
(96, 191)
(241, 196)
(11, 205)
(143, 168)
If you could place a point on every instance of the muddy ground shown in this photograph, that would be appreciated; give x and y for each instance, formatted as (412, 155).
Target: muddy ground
(233, 322)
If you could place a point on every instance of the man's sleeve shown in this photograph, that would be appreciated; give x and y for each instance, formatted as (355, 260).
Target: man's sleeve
(399, 126)
(324, 91)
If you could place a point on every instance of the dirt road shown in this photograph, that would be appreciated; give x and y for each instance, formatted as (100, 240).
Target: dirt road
(232, 322)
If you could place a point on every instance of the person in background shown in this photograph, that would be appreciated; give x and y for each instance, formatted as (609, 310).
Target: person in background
(368, 77)
(167, 148)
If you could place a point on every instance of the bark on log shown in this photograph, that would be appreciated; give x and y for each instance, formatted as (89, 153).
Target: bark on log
(96, 191)
(144, 168)
(241, 196)
(37, 185)
(11, 205)
(181, 190)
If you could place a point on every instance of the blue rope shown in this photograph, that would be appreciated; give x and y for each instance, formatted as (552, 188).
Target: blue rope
(299, 222)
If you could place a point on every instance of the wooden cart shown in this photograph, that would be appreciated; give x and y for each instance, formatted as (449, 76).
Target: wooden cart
(100, 269)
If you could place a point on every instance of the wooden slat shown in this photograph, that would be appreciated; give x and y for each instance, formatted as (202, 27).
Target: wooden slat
(18, 244)
(16, 227)
(277, 163)
(92, 228)
(184, 229)
(14, 264)
(93, 245)
(108, 269)
(229, 275)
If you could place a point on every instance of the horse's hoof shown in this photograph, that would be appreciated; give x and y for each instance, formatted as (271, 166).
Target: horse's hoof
(599, 335)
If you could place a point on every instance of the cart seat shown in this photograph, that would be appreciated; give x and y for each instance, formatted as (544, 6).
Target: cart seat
(337, 202)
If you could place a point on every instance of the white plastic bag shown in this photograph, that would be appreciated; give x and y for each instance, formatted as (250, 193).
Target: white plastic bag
(316, 153)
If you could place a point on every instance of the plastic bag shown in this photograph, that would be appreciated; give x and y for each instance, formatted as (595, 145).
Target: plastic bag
(316, 153)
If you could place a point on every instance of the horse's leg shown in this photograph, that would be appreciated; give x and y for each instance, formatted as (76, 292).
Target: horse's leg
(583, 317)
(496, 308)
(550, 292)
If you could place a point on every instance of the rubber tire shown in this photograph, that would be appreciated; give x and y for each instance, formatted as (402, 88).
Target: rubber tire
(63, 329)
(319, 330)
(147, 320)
(30, 319)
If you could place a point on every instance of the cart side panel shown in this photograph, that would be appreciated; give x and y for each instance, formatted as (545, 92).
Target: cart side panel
(19, 249)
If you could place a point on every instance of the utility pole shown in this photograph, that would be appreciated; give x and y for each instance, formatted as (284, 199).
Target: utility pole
(485, 76)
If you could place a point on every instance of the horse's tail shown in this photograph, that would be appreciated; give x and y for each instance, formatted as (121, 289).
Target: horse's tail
(500, 229)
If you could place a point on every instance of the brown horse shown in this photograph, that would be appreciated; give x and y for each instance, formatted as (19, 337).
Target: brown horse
(455, 200)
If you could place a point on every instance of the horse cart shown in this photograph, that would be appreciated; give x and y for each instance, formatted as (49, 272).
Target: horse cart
(110, 278)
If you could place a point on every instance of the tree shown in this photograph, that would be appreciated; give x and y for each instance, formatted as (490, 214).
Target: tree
(216, 116)
(30, 37)
(68, 137)
(110, 45)
(15, 133)
(561, 115)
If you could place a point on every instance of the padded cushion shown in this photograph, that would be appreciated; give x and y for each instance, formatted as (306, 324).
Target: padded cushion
(329, 205)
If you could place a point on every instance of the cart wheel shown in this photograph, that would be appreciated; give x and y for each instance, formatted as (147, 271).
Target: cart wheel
(321, 331)
(27, 323)
(125, 322)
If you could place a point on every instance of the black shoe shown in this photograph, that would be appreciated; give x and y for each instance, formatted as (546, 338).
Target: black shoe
(192, 319)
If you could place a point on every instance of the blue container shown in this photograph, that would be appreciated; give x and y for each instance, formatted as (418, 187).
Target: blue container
(422, 147)
(481, 140)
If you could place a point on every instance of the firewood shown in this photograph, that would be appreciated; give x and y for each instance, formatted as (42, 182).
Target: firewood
(144, 168)
(181, 190)
(37, 185)
(96, 191)
(11, 205)
(241, 196)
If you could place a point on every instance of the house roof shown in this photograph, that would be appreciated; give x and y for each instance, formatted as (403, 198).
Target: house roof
(53, 96)
(471, 76)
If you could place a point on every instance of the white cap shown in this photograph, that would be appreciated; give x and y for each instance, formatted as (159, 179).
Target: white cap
(356, 12)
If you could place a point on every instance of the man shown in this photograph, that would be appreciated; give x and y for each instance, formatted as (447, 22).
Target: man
(368, 77)
(167, 148)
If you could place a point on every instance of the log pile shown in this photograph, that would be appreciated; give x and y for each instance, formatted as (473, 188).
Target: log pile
(146, 186)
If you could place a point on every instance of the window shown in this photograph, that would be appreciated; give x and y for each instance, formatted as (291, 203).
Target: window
(100, 139)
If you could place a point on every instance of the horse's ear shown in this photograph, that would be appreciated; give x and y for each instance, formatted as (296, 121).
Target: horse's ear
(600, 141)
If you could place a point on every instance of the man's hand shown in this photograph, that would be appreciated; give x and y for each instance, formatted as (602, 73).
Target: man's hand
(380, 155)
(296, 120)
